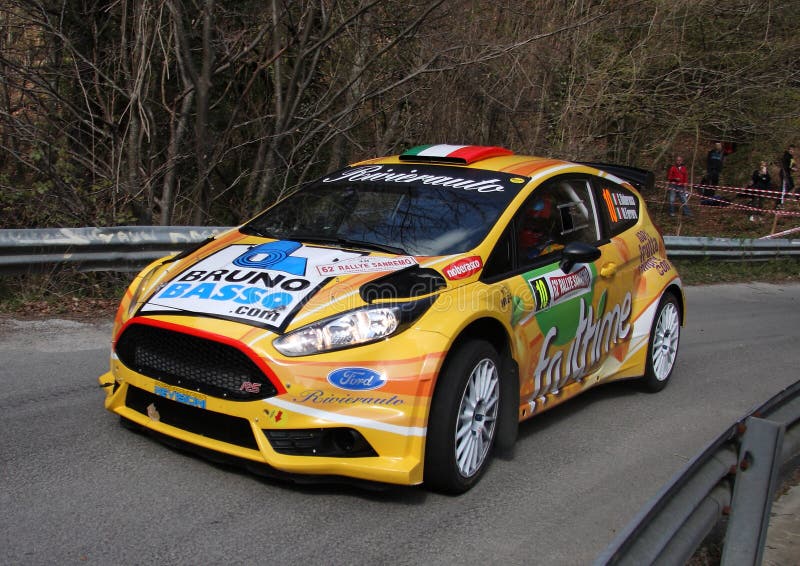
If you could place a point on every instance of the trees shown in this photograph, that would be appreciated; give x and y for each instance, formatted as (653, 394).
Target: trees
(717, 70)
(204, 111)
(174, 110)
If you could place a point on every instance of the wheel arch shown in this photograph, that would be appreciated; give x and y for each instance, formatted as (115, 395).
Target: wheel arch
(675, 290)
(495, 333)
(487, 328)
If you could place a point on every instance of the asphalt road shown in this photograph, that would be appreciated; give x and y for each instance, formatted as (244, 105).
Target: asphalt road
(76, 488)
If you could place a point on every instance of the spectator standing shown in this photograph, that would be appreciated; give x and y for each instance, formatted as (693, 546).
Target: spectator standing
(678, 179)
(714, 162)
(788, 166)
(761, 182)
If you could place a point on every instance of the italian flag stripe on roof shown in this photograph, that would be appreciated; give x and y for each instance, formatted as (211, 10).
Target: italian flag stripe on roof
(462, 154)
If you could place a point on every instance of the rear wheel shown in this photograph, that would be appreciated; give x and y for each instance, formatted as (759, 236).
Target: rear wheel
(463, 420)
(662, 349)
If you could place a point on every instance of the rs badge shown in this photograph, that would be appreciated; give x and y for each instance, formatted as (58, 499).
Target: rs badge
(250, 387)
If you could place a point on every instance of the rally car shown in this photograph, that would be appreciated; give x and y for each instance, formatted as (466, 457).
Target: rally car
(396, 320)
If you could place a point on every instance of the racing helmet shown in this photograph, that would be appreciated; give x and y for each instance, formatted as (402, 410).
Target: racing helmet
(537, 222)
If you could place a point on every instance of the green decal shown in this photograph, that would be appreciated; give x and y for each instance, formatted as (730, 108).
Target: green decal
(548, 285)
(517, 309)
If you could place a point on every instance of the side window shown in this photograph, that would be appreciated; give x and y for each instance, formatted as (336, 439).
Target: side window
(620, 206)
(557, 213)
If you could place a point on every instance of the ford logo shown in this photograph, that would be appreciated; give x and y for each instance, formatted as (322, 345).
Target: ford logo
(356, 379)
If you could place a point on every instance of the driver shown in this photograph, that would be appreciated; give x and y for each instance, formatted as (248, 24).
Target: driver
(536, 237)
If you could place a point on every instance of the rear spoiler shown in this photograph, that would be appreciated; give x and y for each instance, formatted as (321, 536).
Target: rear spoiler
(642, 179)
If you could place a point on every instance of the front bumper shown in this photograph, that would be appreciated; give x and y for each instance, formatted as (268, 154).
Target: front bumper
(306, 429)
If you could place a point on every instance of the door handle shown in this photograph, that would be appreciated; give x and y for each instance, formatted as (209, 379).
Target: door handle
(608, 270)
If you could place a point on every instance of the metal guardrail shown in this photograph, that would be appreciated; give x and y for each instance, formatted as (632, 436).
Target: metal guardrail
(734, 478)
(121, 248)
(731, 248)
(129, 248)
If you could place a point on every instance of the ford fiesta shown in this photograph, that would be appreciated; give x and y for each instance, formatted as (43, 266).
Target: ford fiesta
(396, 320)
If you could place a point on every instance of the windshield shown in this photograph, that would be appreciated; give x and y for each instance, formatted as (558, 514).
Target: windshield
(419, 210)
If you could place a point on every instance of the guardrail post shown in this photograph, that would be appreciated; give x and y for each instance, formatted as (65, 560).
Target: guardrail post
(753, 491)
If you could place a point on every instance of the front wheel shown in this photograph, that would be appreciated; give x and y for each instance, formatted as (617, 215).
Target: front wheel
(463, 419)
(662, 348)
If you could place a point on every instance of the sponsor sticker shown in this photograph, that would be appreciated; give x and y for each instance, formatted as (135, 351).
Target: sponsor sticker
(320, 397)
(261, 285)
(463, 268)
(596, 335)
(356, 379)
(551, 289)
(366, 264)
(181, 396)
(425, 177)
(649, 251)
(621, 207)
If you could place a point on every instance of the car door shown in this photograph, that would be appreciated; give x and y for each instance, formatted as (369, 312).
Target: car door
(565, 319)
(631, 249)
(628, 250)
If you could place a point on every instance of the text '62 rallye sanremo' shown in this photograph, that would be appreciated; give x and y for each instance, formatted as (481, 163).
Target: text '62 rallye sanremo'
(395, 321)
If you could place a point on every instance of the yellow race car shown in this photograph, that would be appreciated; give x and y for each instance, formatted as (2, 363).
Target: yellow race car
(395, 321)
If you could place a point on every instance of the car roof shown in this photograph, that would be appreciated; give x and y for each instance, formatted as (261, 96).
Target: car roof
(493, 158)
(489, 158)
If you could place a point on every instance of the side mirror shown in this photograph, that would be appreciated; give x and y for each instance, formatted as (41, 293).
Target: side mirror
(577, 252)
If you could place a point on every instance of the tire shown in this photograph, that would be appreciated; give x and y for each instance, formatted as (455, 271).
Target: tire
(662, 347)
(462, 425)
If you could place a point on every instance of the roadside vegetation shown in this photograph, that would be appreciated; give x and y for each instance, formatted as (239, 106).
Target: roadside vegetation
(705, 272)
(172, 112)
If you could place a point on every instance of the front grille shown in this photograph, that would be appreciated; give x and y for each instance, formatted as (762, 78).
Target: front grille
(192, 362)
(232, 430)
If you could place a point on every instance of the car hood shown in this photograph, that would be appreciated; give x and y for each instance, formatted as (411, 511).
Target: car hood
(281, 284)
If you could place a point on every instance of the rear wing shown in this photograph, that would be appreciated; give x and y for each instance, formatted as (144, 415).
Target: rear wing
(642, 179)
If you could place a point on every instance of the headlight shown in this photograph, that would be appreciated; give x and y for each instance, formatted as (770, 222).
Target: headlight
(360, 326)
